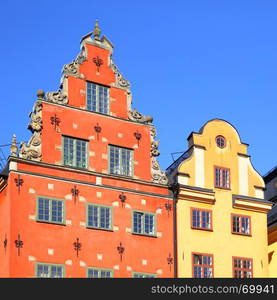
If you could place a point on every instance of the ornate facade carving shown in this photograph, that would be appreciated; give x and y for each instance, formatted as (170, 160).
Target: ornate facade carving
(158, 176)
(32, 150)
(120, 81)
(136, 116)
(57, 97)
(73, 68)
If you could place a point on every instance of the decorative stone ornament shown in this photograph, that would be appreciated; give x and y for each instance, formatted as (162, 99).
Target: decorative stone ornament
(158, 176)
(57, 97)
(136, 116)
(32, 150)
(96, 32)
(13, 148)
(120, 81)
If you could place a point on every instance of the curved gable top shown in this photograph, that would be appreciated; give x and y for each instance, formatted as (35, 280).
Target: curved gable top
(205, 154)
(220, 121)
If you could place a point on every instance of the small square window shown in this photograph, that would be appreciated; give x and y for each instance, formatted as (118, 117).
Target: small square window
(201, 219)
(241, 224)
(99, 217)
(97, 98)
(144, 223)
(120, 161)
(202, 265)
(50, 210)
(99, 273)
(44, 270)
(242, 267)
(75, 152)
(222, 177)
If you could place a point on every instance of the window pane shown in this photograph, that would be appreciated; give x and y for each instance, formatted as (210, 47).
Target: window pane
(97, 98)
(99, 216)
(120, 161)
(74, 152)
(196, 218)
(137, 222)
(206, 220)
(42, 271)
(245, 226)
(43, 209)
(149, 224)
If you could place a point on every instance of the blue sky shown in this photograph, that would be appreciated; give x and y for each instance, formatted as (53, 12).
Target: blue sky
(188, 62)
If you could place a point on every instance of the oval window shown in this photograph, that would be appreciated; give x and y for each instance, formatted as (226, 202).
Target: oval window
(220, 141)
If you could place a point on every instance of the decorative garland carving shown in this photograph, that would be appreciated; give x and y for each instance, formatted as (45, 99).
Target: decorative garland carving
(57, 97)
(73, 68)
(158, 176)
(136, 116)
(120, 81)
(32, 150)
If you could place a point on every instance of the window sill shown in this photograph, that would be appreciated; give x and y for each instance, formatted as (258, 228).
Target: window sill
(102, 229)
(52, 223)
(222, 188)
(74, 167)
(242, 234)
(204, 229)
(122, 176)
(144, 234)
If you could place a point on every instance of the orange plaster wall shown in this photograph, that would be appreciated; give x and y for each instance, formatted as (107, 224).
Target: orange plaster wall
(84, 123)
(5, 232)
(39, 237)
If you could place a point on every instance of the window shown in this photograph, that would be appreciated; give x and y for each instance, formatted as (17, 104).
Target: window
(144, 223)
(97, 98)
(99, 273)
(241, 224)
(143, 275)
(50, 210)
(121, 161)
(49, 270)
(201, 218)
(222, 178)
(202, 265)
(220, 141)
(74, 152)
(242, 267)
(99, 216)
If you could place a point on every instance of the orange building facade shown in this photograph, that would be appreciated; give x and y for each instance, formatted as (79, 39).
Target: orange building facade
(85, 197)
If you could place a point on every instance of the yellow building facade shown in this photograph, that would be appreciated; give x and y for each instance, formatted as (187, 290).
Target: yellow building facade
(220, 211)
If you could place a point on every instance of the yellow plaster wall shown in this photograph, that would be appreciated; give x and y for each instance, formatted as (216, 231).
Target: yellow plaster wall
(221, 242)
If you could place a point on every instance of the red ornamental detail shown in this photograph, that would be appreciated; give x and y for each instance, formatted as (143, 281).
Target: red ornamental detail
(18, 182)
(55, 121)
(137, 136)
(75, 193)
(120, 250)
(77, 246)
(169, 261)
(18, 244)
(98, 62)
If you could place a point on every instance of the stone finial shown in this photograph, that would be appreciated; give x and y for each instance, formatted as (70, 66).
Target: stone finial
(13, 148)
(40, 94)
(96, 31)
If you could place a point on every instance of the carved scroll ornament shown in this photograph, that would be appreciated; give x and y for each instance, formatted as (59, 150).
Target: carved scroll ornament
(158, 176)
(120, 80)
(32, 150)
(57, 97)
(136, 116)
